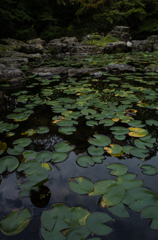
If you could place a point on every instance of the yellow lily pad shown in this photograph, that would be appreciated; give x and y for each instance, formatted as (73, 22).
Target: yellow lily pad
(137, 132)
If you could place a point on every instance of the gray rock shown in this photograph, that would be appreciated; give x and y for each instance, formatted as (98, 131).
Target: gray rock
(155, 46)
(37, 41)
(8, 41)
(55, 47)
(31, 57)
(152, 68)
(87, 37)
(152, 38)
(82, 72)
(14, 61)
(116, 47)
(119, 67)
(142, 45)
(85, 49)
(9, 73)
(31, 48)
(121, 32)
(48, 72)
(69, 40)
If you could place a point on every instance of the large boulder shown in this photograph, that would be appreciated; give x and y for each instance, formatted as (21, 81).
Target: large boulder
(142, 45)
(121, 32)
(13, 61)
(49, 72)
(15, 54)
(8, 41)
(37, 41)
(116, 47)
(31, 48)
(81, 72)
(88, 49)
(13, 76)
(119, 67)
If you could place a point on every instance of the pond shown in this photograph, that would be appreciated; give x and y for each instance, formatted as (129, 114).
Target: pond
(78, 155)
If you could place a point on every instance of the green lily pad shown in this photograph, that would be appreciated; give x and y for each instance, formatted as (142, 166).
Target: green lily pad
(139, 144)
(83, 160)
(29, 154)
(136, 123)
(95, 223)
(16, 150)
(128, 182)
(31, 166)
(15, 223)
(67, 130)
(126, 149)
(9, 162)
(78, 233)
(151, 212)
(118, 169)
(41, 130)
(91, 123)
(120, 137)
(95, 151)
(149, 170)
(98, 159)
(119, 210)
(106, 122)
(79, 216)
(44, 155)
(100, 141)
(115, 150)
(65, 123)
(63, 147)
(59, 157)
(138, 152)
(152, 122)
(23, 142)
(81, 185)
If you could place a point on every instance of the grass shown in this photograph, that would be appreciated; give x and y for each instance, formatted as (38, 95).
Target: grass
(100, 41)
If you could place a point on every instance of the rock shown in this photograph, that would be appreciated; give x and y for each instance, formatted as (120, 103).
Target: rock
(116, 47)
(87, 37)
(15, 54)
(48, 72)
(152, 38)
(119, 67)
(14, 61)
(142, 45)
(69, 39)
(85, 49)
(129, 44)
(82, 72)
(37, 41)
(121, 32)
(55, 47)
(155, 46)
(151, 68)
(13, 76)
(31, 48)
(17, 82)
(8, 41)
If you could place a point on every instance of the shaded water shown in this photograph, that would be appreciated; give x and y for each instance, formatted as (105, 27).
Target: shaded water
(110, 91)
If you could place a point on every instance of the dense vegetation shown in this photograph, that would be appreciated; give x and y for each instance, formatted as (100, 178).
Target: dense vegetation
(50, 19)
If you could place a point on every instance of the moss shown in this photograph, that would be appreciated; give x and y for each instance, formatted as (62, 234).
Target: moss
(100, 41)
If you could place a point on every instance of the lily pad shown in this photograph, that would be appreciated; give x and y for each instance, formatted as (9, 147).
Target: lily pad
(44, 155)
(119, 210)
(152, 122)
(63, 147)
(149, 170)
(23, 142)
(118, 169)
(15, 223)
(42, 130)
(115, 150)
(100, 140)
(9, 162)
(83, 160)
(95, 223)
(138, 152)
(67, 130)
(151, 212)
(95, 151)
(81, 185)
(59, 157)
(128, 181)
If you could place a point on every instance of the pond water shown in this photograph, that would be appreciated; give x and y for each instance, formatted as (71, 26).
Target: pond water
(79, 155)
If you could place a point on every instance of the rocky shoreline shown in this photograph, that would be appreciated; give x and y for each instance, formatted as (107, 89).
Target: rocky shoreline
(14, 54)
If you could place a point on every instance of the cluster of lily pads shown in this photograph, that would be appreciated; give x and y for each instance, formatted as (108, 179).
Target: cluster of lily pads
(120, 114)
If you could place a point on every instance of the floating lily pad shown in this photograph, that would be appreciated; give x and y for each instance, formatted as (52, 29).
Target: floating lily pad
(95, 222)
(42, 130)
(137, 132)
(138, 152)
(151, 212)
(115, 150)
(139, 144)
(120, 137)
(149, 170)
(9, 162)
(16, 150)
(67, 130)
(152, 122)
(23, 142)
(136, 123)
(29, 132)
(29, 154)
(81, 185)
(118, 169)
(15, 223)
(119, 210)
(128, 182)
(63, 147)
(91, 123)
(100, 141)
(107, 122)
(95, 151)
(59, 157)
(83, 160)
(44, 155)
